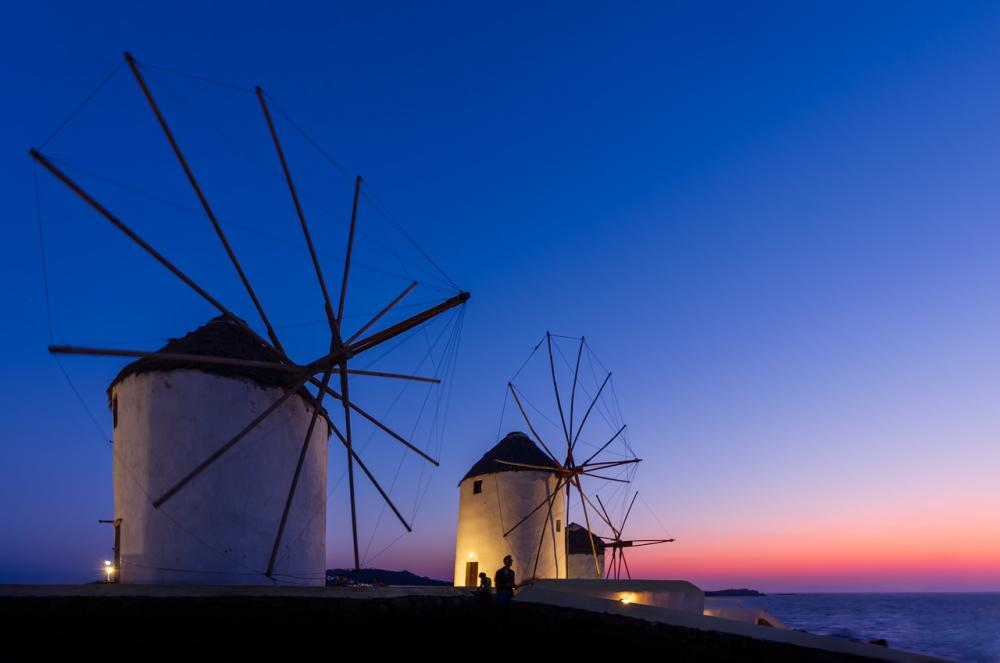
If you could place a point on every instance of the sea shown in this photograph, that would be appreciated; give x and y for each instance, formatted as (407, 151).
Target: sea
(958, 627)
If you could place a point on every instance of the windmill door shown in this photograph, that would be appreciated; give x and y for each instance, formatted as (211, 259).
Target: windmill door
(471, 574)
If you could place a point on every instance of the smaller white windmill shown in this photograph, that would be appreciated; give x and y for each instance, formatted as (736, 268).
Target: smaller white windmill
(568, 472)
(617, 544)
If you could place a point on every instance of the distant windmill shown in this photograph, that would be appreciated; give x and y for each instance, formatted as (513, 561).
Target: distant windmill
(565, 467)
(343, 346)
(618, 545)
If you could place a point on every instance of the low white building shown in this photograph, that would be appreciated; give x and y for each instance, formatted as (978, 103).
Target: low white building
(493, 498)
(220, 528)
(580, 556)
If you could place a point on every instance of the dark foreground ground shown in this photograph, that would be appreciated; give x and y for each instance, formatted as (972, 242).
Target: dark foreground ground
(413, 628)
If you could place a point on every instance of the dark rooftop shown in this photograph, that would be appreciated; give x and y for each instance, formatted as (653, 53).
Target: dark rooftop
(515, 448)
(579, 543)
(219, 337)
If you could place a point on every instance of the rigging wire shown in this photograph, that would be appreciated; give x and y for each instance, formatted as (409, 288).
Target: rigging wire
(366, 189)
(602, 407)
(232, 224)
(452, 354)
(544, 416)
(388, 215)
(82, 105)
(614, 423)
(48, 306)
(655, 516)
(248, 154)
(231, 86)
(402, 458)
(445, 371)
(41, 250)
(356, 316)
(270, 170)
(449, 355)
(326, 155)
(127, 471)
(503, 411)
(361, 448)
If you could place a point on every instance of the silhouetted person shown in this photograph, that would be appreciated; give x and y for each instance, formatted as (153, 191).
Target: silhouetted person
(484, 595)
(504, 581)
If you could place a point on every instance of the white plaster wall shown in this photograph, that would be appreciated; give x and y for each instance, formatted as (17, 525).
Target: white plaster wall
(220, 527)
(582, 566)
(506, 498)
(725, 607)
(674, 594)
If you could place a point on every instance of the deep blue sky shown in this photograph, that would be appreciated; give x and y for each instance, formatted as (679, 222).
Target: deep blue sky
(777, 223)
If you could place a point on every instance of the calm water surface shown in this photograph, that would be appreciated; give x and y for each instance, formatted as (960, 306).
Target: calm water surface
(960, 627)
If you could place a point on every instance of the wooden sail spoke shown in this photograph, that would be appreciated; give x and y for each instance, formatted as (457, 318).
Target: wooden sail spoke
(395, 330)
(397, 376)
(317, 408)
(548, 518)
(629, 511)
(572, 397)
(350, 460)
(371, 477)
(559, 484)
(289, 390)
(524, 414)
(591, 407)
(381, 337)
(605, 445)
(145, 246)
(569, 497)
(133, 65)
(607, 521)
(378, 316)
(327, 305)
(555, 387)
(607, 518)
(622, 560)
(608, 464)
(528, 466)
(393, 434)
(350, 249)
(604, 478)
(586, 520)
(179, 357)
(617, 544)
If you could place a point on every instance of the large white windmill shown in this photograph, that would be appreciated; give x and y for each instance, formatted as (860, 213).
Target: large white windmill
(220, 435)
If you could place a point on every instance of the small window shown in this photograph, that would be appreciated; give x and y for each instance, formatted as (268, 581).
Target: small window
(477, 487)
(114, 412)
(558, 525)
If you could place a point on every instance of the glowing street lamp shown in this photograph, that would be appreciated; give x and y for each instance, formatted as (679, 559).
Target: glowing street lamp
(109, 570)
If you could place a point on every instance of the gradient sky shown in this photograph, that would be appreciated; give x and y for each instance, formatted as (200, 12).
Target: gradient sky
(777, 224)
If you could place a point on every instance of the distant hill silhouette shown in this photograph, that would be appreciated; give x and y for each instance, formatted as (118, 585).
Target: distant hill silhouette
(385, 577)
(735, 592)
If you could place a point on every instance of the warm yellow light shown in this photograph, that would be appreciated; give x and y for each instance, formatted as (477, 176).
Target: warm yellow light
(626, 598)
(471, 555)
